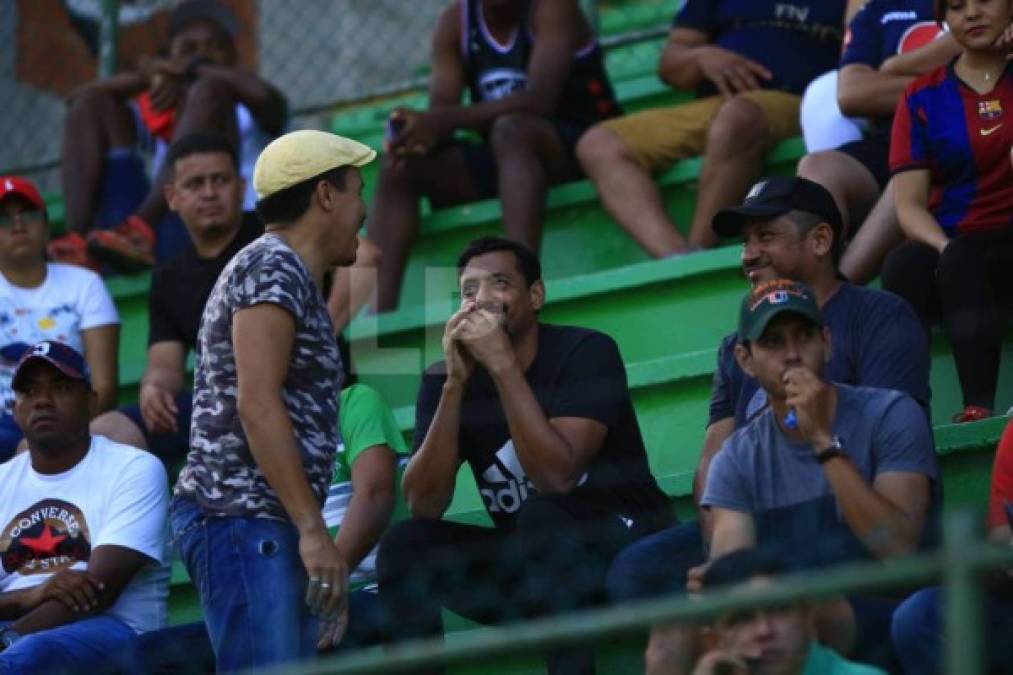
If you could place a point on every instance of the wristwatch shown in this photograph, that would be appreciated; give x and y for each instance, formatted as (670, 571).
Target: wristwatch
(835, 449)
(8, 638)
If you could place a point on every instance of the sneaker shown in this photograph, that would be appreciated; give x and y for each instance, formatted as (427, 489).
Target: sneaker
(71, 249)
(128, 247)
(972, 413)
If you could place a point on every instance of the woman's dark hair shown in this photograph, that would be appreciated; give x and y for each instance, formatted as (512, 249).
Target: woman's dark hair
(291, 203)
(939, 10)
(527, 261)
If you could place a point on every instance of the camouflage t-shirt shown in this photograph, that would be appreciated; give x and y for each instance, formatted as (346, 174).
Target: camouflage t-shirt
(220, 473)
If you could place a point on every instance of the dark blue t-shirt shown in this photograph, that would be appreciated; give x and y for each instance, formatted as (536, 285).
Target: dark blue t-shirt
(885, 28)
(876, 341)
(795, 40)
(761, 472)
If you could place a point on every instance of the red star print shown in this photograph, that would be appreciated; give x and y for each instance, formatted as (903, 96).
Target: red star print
(45, 543)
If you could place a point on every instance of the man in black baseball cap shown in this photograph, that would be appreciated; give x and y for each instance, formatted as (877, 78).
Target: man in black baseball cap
(790, 229)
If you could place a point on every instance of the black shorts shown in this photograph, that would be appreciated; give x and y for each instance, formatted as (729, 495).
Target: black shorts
(171, 447)
(872, 152)
(482, 162)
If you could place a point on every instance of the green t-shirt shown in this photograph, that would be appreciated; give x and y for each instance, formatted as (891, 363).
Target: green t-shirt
(823, 661)
(364, 421)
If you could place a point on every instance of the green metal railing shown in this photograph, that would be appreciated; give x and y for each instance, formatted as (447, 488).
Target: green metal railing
(958, 566)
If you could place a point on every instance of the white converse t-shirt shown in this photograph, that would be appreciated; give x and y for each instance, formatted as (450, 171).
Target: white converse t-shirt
(116, 495)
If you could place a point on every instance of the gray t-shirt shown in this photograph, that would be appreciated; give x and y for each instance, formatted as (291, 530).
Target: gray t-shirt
(760, 471)
(220, 473)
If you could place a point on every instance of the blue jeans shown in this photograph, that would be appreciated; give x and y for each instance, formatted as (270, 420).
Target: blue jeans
(186, 649)
(252, 586)
(917, 632)
(85, 646)
(657, 564)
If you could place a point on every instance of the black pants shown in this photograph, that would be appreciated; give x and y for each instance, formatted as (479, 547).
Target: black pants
(960, 288)
(555, 561)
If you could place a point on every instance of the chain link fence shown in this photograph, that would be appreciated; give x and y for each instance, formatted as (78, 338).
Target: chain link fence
(324, 54)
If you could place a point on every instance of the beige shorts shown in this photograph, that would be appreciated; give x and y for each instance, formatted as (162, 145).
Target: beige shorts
(660, 137)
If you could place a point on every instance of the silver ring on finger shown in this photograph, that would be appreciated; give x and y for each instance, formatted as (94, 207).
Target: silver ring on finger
(325, 586)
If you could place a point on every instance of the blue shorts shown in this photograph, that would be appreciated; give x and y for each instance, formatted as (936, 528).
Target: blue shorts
(482, 163)
(125, 185)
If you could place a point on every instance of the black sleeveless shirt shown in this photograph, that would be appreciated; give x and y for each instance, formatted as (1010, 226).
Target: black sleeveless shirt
(495, 70)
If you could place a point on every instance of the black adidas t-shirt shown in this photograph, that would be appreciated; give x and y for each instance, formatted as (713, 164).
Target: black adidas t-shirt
(180, 287)
(576, 373)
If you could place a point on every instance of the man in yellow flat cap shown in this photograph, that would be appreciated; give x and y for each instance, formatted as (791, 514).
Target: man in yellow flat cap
(246, 513)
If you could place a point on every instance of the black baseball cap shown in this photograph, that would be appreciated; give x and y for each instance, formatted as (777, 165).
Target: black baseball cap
(775, 196)
(768, 300)
(212, 11)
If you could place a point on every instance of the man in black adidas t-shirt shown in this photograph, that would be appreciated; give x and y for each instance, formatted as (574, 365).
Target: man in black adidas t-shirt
(543, 417)
(205, 189)
(536, 81)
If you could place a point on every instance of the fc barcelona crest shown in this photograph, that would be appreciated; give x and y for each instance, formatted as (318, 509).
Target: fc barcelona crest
(990, 110)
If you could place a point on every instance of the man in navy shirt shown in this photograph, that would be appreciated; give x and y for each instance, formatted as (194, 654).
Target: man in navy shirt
(887, 44)
(749, 61)
(790, 229)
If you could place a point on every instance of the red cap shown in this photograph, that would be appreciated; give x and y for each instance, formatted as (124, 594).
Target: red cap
(16, 185)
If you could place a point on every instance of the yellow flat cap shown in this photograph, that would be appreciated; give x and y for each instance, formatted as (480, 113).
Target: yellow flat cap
(300, 155)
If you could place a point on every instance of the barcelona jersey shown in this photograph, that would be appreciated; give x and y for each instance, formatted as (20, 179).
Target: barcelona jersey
(963, 139)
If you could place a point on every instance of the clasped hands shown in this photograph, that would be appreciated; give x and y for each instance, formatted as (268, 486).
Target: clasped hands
(475, 334)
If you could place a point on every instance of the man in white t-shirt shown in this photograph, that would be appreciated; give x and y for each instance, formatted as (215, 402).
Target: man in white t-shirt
(83, 547)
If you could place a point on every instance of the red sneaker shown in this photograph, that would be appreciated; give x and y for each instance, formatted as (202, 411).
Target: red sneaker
(71, 249)
(128, 247)
(972, 413)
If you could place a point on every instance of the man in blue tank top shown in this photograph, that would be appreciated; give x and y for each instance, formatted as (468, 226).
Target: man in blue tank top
(536, 81)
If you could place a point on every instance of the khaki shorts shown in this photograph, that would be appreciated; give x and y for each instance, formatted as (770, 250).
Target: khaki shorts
(660, 137)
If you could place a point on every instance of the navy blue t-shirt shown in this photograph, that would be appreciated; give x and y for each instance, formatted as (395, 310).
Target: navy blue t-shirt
(795, 40)
(885, 28)
(876, 341)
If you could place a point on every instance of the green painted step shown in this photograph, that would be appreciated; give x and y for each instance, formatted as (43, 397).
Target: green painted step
(641, 305)
(579, 236)
(626, 16)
